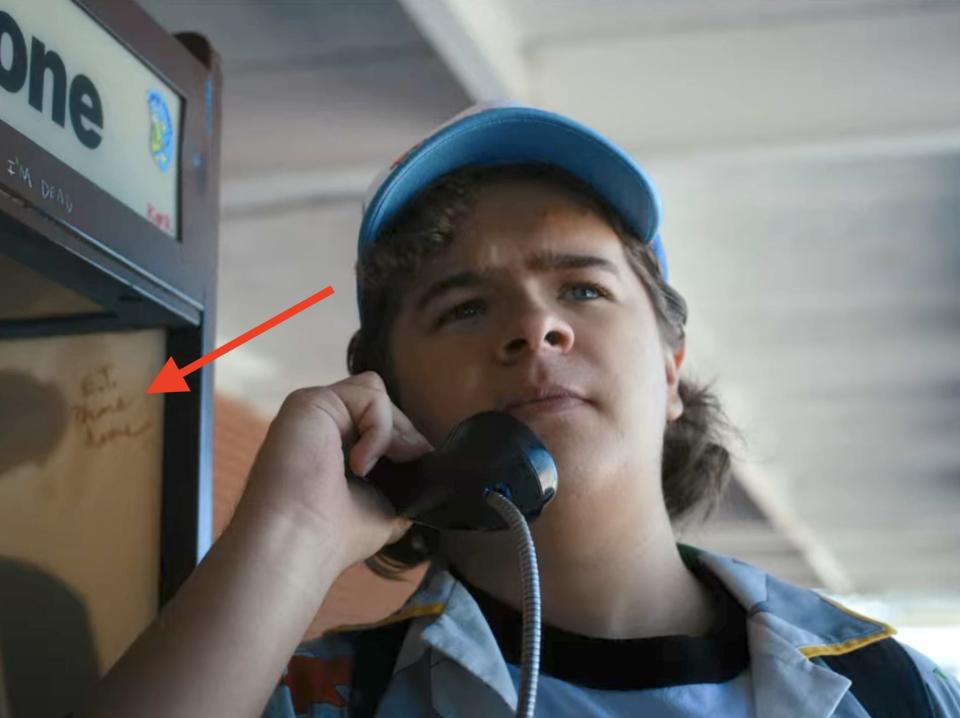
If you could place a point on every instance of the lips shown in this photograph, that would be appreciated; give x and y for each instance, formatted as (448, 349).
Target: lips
(540, 394)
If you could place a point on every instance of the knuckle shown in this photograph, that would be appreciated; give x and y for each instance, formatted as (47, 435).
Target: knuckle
(371, 379)
(306, 394)
(294, 398)
(357, 403)
(309, 401)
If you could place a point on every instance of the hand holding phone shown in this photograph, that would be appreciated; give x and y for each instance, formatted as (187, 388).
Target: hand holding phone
(300, 474)
(446, 488)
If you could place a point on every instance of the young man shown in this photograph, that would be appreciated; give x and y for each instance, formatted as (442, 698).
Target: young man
(510, 261)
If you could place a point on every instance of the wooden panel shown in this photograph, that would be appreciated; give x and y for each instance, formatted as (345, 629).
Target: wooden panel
(25, 294)
(80, 486)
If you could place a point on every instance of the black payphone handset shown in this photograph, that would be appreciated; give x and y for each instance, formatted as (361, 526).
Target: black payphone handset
(492, 472)
(447, 488)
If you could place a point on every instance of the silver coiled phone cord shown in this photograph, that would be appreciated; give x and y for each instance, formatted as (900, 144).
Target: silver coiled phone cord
(530, 656)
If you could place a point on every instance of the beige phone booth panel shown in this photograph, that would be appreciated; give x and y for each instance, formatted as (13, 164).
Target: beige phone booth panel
(80, 483)
(108, 264)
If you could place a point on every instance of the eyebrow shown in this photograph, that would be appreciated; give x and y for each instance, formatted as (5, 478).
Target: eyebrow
(539, 262)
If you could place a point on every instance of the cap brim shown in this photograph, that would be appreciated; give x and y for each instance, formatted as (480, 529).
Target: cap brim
(508, 135)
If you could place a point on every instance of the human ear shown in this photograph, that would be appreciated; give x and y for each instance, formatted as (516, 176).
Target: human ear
(673, 361)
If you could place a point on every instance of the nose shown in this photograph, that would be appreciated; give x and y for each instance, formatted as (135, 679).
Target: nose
(535, 328)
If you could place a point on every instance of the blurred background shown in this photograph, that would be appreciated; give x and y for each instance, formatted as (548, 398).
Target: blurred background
(808, 157)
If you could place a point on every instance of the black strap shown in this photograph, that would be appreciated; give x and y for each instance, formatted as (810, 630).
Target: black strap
(884, 679)
(376, 655)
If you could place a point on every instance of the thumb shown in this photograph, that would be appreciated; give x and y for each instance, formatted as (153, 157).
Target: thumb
(400, 527)
(408, 446)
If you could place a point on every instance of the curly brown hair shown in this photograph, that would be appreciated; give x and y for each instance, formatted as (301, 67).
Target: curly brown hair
(696, 465)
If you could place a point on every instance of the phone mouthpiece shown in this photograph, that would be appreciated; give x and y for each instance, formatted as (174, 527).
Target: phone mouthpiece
(447, 488)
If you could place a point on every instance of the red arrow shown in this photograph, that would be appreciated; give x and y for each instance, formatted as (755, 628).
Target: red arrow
(170, 378)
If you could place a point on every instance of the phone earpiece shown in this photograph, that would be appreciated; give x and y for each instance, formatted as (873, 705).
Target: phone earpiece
(446, 488)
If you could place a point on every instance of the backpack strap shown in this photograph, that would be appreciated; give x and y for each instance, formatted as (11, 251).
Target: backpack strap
(375, 656)
(884, 679)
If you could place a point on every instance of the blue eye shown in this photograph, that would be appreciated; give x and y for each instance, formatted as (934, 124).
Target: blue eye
(462, 311)
(593, 287)
(455, 314)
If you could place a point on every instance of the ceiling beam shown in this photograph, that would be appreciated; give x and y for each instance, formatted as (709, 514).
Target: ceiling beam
(479, 42)
(761, 479)
(829, 82)
(867, 145)
(269, 192)
(272, 192)
(759, 484)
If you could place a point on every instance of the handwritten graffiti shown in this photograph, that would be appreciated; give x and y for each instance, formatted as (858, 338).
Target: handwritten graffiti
(104, 412)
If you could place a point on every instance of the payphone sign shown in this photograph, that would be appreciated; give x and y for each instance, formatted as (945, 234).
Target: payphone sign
(69, 86)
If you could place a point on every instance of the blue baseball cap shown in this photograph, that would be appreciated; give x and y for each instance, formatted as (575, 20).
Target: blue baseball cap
(495, 133)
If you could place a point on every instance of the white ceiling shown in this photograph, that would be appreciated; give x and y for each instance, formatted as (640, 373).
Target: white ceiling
(556, 21)
(808, 154)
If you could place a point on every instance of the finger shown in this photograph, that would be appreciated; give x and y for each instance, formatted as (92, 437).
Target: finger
(400, 527)
(405, 428)
(406, 446)
(372, 498)
(381, 427)
(374, 422)
(386, 431)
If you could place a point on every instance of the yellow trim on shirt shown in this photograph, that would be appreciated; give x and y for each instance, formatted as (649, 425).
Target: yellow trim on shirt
(838, 649)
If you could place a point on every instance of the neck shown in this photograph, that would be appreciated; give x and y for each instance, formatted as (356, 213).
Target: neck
(602, 576)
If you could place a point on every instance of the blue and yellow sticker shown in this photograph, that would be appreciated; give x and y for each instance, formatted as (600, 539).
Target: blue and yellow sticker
(161, 130)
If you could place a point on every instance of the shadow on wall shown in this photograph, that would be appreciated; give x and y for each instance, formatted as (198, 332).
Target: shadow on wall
(48, 656)
(33, 418)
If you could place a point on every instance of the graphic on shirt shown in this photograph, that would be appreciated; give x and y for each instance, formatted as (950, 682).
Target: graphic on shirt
(318, 681)
(938, 672)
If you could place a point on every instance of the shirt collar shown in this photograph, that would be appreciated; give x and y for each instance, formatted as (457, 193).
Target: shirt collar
(811, 623)
(786, 626)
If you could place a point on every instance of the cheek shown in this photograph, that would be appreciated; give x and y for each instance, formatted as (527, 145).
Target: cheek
(441, 388)
(632, 366)
(468, 377)
(650, 397)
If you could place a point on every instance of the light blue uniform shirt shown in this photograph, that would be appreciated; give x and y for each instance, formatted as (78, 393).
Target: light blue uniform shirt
(450, 665)
(559, 698)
